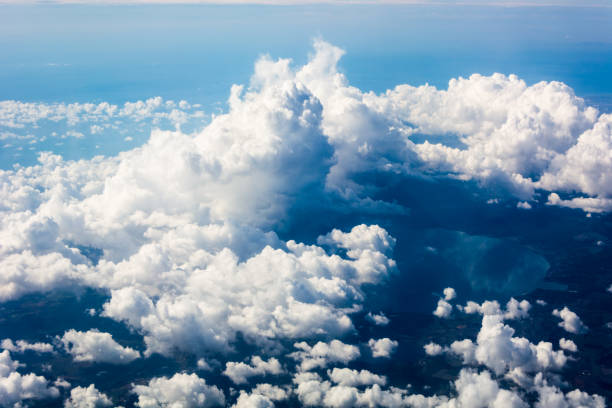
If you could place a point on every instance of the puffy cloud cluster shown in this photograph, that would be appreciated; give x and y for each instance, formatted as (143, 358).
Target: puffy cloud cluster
(21, 346)
(528, 137)
(321, 354)
(351, 378)
(444, 308)
(570, 321)
(510, 358)
(97, 346)
(568, 345)
(299, 291)
(240, 372)
(495, 129)
(498, 349)
(181, 390)
(17, 115)
(514, 309)
(382, 347)
(183, 229)
(294, 136)
(262, 396)
(16, 387)
(90, 397)
(551, 396)
(472, 389)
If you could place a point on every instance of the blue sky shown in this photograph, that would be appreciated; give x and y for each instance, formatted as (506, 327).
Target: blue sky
(196, 52)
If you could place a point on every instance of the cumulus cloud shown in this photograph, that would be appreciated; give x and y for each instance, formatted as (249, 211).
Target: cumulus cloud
(97, 346)
(352, 378)
(471, 388)
(21, 346)
(294, 135)
(449, 294)
(570, 321)
(16, 387)
(189, 249)
(203, 365)
(293, 292)
(240, 372)
(514, 309)
(321, 354)
(443, 309)
(382, 347)
(90, 397)
(433, 349)
(523, 205)
(262, 396)
(271, 391)
(568, 345)
(180, 390)
(498, 349)
(480, 390)
(551, 396)
(378, 319)
(253, 400)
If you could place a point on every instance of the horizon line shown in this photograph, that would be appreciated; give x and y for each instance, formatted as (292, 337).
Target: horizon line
(505, 3)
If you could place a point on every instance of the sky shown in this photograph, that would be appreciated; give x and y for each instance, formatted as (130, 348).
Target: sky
(337, 205)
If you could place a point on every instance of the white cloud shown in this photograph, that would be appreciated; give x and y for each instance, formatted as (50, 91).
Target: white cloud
(262, 396)
(240, 372)
(21, 346)
(472, 389)
(353, 378)
(16, 387)
(90, 397)
(498, 349)
(271, 391)
(433, 349)
(514, 309)
(449, 294)
(378, 319)
(188, 248)
(181, 390)
(480, 390)
(203, 365)
(382, 347)
(568, 345)
(253, 400)
(20, 116)
(523, 205)
(321, 354)
(97, 346)
(443, 309)
(570, 321)
(291, 293)
(551, 396)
